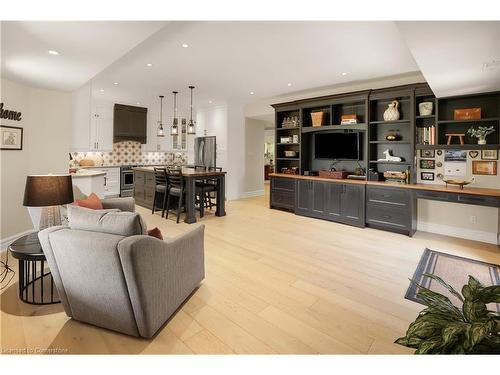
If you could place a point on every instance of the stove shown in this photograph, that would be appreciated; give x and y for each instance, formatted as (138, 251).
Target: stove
(127, 180)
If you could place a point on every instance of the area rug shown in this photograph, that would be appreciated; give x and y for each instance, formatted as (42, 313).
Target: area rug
(455, 271)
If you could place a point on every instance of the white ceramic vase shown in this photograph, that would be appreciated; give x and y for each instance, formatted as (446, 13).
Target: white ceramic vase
(392, 113)
(425, 108)
(481, 141)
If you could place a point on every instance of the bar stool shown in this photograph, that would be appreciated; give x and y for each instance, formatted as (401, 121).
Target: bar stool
(175, 188)
(160, 188)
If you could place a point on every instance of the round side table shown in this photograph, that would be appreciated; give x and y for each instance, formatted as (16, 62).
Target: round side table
(32, 276)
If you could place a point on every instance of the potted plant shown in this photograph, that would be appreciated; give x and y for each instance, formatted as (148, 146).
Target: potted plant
(443, 328)
(481, 133)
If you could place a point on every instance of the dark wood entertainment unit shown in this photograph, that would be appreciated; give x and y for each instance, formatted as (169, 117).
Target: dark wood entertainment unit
(375, 203)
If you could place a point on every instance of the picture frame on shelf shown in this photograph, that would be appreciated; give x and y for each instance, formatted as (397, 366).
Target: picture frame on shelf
(455, 155)
(489, 154)
(427, 153)
(427, 164)
(427, 176)
(485, 168)
(11, 138)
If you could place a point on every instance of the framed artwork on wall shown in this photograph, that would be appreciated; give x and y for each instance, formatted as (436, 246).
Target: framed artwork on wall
(428, 176)
(11, 138)
(427, 164)
(488, 168)
(489, 154)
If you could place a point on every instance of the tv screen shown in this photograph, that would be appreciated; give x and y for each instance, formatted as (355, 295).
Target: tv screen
(340, 146)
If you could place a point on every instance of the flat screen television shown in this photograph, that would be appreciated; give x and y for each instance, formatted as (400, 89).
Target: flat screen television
(339, 146)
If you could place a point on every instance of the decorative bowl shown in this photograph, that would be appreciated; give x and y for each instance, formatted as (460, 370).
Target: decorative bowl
(460, 183)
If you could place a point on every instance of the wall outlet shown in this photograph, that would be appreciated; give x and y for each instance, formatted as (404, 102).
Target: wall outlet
(473, 219)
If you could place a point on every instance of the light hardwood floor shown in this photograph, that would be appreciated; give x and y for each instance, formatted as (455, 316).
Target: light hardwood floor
(275, 283)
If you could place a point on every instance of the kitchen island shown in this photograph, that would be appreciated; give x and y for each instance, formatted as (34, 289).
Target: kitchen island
(144, 189)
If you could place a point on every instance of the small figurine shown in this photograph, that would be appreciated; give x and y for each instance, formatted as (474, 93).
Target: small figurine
(389, 157)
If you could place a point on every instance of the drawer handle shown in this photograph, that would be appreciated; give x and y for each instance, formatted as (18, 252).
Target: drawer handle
(386, 216)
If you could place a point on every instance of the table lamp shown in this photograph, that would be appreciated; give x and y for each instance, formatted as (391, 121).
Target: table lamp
(47, 192)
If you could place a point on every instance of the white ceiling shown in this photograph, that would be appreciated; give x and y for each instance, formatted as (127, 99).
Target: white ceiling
(452, 55)
(228, 60)
(85, 48)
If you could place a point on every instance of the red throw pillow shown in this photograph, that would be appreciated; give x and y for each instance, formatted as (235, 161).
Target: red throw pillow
(93, 202)
(155, 232)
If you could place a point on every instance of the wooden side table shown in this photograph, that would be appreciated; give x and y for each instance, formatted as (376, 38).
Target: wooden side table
(32, 276)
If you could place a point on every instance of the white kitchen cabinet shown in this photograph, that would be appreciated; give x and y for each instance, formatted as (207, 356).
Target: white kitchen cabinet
(111, 181)
(87, 183)
(92, 122)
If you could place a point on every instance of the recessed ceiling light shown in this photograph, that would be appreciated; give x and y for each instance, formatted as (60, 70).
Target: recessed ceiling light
(288, 84)
(138, 103)
(251, 93)
(115, 83)
(101, 90)
(149, 64)
(209, 102)
(344, 74)
(52, 52)
(185, 45)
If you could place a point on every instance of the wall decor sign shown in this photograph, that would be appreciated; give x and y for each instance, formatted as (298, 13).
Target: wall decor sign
(489, 154)
(488, 168)
(427, 176)
(455, 155)
(473, 154)
(11, 138)
(427, 153)
(427, 164)
(9, 115)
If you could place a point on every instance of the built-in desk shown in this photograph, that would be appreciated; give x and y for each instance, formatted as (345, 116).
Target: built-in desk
(386, 206)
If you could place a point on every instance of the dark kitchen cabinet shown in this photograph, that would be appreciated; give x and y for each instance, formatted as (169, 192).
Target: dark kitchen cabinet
(282, 193)
(331, 201)
(130, 123)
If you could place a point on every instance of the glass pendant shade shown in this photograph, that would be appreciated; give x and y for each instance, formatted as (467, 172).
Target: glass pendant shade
(175, 126)
(159, 131)
(191, 125)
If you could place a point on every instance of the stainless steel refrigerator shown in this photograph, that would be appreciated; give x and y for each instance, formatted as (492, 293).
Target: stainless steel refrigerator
(205, 151)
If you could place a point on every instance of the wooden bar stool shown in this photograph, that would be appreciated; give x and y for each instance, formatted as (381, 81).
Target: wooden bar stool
(449, 137)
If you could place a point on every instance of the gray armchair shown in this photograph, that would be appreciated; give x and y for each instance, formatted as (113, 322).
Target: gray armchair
(127, 283)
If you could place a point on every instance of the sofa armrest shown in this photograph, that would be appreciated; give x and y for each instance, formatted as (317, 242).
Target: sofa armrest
(160, 275)
(123, 204)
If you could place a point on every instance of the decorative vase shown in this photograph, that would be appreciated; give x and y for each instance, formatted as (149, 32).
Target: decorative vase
(392, 113)
(425, 108)
(481, 141)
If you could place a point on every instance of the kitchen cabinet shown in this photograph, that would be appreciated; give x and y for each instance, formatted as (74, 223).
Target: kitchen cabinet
(282, 193)
(332, 201)
(111, 181)
(92, 122)
(130, 123)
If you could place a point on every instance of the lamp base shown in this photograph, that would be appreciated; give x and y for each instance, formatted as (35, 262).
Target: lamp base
(45, 217)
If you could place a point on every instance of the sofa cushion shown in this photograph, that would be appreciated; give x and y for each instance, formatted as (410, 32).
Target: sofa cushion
(92, 201)
(111, 221)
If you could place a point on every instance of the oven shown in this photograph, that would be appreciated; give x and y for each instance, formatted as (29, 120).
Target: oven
(126, 181)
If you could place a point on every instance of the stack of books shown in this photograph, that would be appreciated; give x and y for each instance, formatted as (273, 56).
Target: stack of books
(426, 136)
(348, 119)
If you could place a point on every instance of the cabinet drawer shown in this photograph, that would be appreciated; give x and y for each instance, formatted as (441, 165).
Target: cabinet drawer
(479, 200)
(150, 179)
(149, 193)
(139, 193)
(283, 183)
(395, 196)
(434, 195)
(284, 199)
(139, 178)
(388, 216)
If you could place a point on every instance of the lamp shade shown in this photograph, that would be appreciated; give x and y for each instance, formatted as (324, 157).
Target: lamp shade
(48, 190)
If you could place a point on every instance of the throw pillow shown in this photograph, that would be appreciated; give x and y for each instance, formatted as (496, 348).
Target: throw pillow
(155, 232)
(93, 202)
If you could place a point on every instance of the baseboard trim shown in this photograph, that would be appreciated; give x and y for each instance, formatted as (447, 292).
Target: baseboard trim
(255, 193)
(468, 234)
(5, 242)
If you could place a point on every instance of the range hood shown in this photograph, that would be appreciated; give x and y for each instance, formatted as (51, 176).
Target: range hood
(129, 123)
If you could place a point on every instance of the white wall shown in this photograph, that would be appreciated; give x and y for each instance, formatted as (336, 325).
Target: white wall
(46, 117)
(254, 159)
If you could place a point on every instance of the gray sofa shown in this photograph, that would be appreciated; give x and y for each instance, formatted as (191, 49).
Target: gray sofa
(110, 274)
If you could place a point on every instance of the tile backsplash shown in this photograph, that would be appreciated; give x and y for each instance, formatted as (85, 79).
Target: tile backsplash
(129, 152)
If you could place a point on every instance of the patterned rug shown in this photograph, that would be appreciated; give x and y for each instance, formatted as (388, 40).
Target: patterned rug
(455, 271)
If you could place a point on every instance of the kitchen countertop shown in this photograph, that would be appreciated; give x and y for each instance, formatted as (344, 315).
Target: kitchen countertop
(88, 174)
(190, 172)
(429, 187)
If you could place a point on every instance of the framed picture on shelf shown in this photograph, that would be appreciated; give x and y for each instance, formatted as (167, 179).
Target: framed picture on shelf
(489, 154)
(427, 153)
(427, 176)
(455, 155)
(11, 138)
(487, 168)
(427, 164)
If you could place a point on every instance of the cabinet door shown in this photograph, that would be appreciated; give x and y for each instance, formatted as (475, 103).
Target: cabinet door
(123, 122)
(104, 126)
(353, 203)
(333, 198)
(80, 121)
(303, 197)
(318, 201)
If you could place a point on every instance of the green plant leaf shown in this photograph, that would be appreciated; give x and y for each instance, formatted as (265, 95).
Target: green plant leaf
(490, 294)
(446, 285)
(452, 332)
(477, 332)
(474, 284)
(410, 342)
(426, 326)
(475, 311)
(429, 346)
(438, 301)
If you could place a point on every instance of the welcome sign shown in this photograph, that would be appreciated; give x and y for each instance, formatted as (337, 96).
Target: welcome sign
(9, 115)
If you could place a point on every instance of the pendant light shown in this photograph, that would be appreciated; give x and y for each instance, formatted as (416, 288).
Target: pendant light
(175, 127)
(159, 131)
(191, 129)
